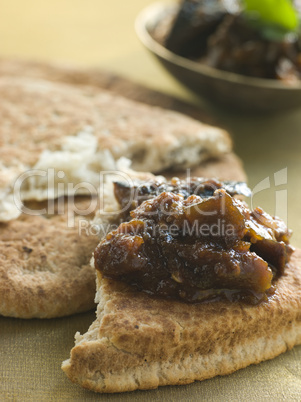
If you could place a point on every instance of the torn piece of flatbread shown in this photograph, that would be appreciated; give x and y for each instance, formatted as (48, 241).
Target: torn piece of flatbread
(56, 139)
(45, 266)
(139, 342)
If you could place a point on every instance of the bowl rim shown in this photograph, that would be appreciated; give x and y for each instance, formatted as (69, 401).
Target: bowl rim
(151, 13)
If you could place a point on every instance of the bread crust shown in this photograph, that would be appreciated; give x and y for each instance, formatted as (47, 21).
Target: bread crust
(138, 342)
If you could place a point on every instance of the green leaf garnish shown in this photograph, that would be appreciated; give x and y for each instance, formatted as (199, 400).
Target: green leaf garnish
(277, 13)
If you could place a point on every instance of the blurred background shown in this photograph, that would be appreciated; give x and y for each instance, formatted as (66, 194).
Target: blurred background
(99, 33)
(88, 33)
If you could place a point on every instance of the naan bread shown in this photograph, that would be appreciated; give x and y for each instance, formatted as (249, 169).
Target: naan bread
(56, 139)
(139, 342)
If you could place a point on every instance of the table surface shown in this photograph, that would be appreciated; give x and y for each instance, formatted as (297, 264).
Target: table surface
(101, 33)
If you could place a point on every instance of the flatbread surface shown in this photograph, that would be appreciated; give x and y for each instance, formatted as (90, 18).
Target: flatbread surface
(62, 134)
(139, 342)
(45, 265)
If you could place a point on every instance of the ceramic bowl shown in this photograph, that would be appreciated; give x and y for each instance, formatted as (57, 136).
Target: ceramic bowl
(226, 88)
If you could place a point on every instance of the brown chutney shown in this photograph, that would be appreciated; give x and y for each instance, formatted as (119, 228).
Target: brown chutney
(197, 249)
